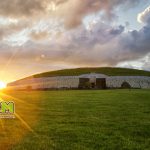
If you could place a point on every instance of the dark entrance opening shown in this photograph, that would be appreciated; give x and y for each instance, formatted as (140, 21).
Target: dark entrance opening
(92, 85)
(101, 83)
(125, 85)
(84, 83)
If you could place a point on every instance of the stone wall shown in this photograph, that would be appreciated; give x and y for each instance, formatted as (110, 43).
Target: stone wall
(134, 81)
(73, 82)
(46, 83)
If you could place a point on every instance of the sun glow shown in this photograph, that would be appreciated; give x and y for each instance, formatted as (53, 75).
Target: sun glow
(2, 85)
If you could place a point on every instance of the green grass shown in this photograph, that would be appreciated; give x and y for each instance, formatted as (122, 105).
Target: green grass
(104, 70)
(89, 120)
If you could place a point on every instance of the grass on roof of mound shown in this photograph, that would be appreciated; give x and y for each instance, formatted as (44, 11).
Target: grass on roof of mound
(107, 70)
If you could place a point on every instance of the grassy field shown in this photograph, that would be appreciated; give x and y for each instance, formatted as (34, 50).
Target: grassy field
(104, 70)
(79, 120)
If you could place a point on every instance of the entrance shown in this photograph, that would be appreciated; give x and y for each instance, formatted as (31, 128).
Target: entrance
(84, 83)
(92, 85)
(101, 83)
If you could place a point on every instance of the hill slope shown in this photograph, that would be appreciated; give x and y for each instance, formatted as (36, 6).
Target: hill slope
(104, 70)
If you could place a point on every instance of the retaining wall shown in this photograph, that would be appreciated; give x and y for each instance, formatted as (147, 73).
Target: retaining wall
(73, 82)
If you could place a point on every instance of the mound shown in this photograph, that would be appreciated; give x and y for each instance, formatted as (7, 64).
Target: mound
(104, 70)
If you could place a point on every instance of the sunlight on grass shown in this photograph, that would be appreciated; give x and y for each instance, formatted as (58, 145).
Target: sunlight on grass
(74, 120)
(13, 130)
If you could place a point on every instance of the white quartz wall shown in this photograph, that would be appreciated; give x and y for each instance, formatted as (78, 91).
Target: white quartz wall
(73, 82)
(134, 81)
(44, 83)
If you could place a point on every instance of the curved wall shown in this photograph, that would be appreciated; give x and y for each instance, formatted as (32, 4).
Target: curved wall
(73, 82)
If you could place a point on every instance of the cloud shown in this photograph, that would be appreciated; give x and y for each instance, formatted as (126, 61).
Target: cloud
(79, 9)
(98, 44)
(102, 45)
(143, 63)
(136, 41)
(42, 35)
(21, 8)
(71, 11)
(144, 17)
(13, 28)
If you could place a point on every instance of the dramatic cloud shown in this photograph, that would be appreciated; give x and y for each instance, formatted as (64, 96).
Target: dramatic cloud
(12, 28)
(101, 45)
(39, 35)
(21, 8)
(47, 44)
(72, 11)
(75, 10)
(144, 17)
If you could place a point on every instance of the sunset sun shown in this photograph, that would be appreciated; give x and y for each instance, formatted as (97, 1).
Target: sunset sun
(2, 85)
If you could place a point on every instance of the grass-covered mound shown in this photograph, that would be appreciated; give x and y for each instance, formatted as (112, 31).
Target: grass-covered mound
(105, 70)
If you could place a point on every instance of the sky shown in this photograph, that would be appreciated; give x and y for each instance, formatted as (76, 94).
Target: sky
(38, 36)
